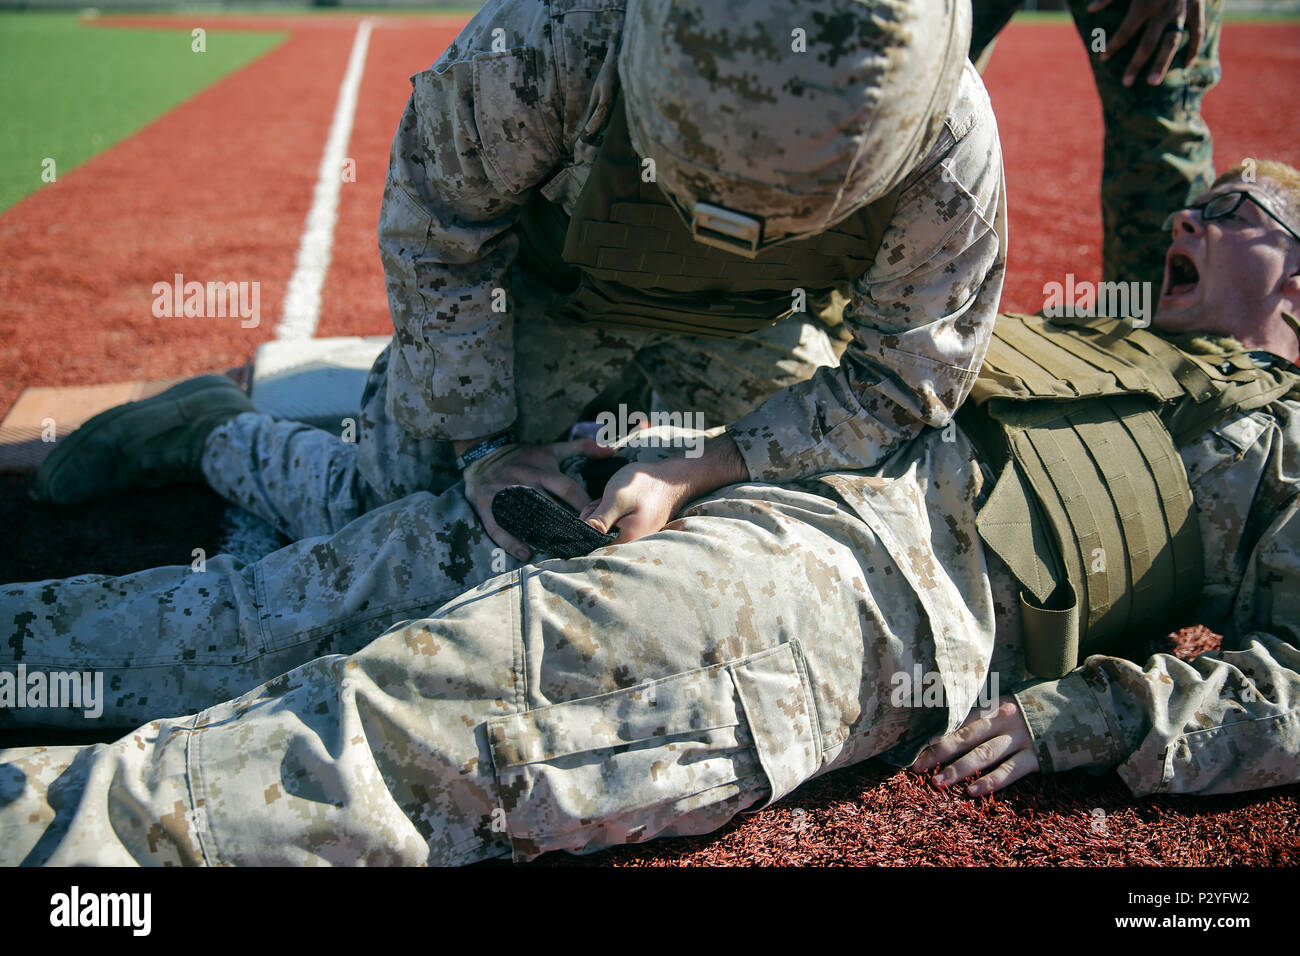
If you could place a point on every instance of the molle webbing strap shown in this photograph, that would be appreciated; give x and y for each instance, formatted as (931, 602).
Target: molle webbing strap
(1093, 515)
(1198, 382)
(626, 258)
(1032, 358)
(1237, 384)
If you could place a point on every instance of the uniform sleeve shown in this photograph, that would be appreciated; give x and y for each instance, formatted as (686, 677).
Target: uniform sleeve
(483, 127)
(1222, 723)
(921, 317)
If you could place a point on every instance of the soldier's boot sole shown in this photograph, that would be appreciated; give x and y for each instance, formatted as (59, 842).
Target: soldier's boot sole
(146, 444)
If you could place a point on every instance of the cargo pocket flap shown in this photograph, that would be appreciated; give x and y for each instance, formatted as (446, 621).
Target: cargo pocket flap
(781, 717)
(518, 141)
(677, 755)
(696, 701)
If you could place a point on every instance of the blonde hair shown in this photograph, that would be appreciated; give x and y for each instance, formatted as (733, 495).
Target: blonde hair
(1285, 179)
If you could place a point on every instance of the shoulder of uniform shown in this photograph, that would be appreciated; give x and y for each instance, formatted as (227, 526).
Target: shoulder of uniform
(503, 25)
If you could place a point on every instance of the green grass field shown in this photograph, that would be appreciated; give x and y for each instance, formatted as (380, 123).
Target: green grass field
(70, 89)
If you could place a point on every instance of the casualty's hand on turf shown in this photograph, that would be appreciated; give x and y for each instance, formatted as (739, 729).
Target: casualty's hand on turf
(999, 747)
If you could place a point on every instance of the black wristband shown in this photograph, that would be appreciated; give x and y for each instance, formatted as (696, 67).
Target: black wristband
(486, 447)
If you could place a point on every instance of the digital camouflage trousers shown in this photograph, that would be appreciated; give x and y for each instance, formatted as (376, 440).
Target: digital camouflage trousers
(385, 696)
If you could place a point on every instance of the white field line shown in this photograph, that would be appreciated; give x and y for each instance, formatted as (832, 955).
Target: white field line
(245, 536)
(301, 309)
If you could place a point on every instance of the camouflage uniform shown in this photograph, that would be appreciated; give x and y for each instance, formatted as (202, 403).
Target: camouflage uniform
(649, 689)
(1227, 721)
(1157, 154)
(307, 482)
(489, 125)
(654, 688)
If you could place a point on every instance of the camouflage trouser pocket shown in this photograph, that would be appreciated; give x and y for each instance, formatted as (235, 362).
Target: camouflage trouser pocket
(677, 755)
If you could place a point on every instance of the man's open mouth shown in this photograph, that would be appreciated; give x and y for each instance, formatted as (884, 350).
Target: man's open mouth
(1182, 275)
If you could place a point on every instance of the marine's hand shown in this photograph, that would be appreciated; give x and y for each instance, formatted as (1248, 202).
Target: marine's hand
(998, 745)
(642, 498)
(1161, 24)
(537, 466)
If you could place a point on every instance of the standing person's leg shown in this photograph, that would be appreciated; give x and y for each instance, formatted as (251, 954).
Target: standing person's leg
(177, 639)
(654, 688)
(1158, 151)
(988, 18)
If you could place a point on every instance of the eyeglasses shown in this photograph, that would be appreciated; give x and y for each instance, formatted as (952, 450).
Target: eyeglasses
(1225, 204)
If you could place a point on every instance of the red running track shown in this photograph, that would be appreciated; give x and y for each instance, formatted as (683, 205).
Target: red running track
(218, 189)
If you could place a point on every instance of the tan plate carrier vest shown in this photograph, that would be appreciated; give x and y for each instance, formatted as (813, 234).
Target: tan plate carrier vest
(626, 259)
(1091, 509)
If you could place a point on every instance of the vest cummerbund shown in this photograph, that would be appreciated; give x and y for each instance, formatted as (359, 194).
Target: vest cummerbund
(1091, 509)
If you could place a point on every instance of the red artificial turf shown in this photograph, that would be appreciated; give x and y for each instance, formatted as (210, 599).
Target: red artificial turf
(877, 815)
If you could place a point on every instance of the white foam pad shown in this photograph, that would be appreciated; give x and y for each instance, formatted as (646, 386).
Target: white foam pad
(317, 381)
